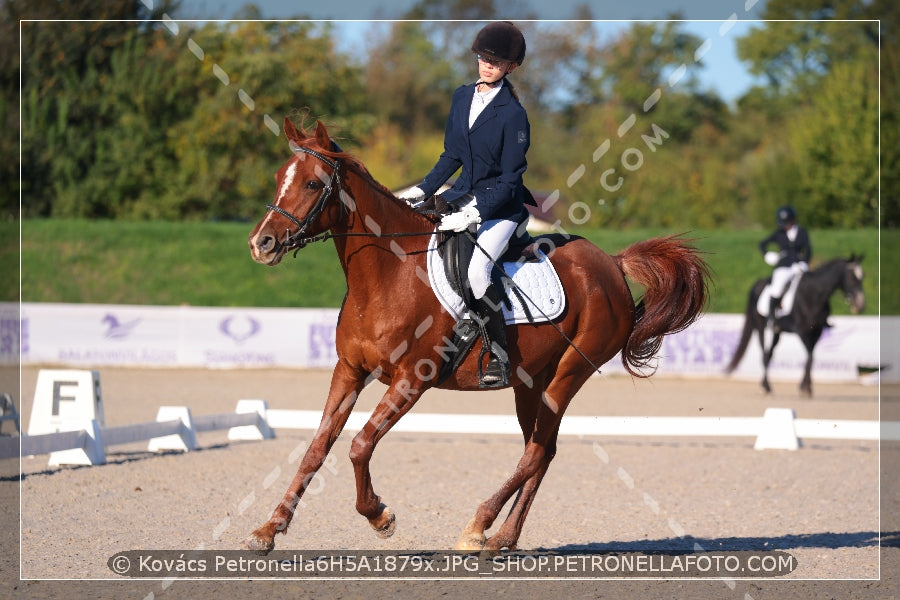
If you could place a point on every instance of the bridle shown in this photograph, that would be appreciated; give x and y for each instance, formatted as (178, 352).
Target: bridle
(296, 240)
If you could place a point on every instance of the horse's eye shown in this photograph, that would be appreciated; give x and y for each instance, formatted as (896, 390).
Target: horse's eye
(314, 185)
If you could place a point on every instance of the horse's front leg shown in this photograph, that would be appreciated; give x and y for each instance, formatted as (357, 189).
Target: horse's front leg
(806, 383)
(346, 385)
(767, 351)
(400, 396)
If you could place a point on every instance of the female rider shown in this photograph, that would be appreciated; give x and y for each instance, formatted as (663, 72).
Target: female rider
(487, 135)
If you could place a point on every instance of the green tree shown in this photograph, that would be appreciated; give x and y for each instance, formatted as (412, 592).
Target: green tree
(180, 126)
(642, 59)
(836, 142)
(62, 63)
(804, 40)
(227, 150)
(821, 112)
(889, 13)
(661, 165)
(409, 81)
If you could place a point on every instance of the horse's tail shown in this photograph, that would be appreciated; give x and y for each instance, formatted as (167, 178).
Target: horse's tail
(746, 334)
(675, 280)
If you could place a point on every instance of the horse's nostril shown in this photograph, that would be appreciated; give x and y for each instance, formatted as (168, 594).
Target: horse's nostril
(265, 243)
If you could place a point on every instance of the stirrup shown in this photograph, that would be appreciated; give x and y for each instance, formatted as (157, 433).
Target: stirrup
(495, 374)
(465, 332)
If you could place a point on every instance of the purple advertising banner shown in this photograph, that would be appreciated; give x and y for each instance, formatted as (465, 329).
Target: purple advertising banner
(94, 335)
(90, 335)
(846, 350)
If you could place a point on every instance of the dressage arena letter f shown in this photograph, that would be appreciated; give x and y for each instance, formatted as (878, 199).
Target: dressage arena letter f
(57, 396)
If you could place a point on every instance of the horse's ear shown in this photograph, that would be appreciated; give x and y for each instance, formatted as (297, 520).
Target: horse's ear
(322, 136)
(291, 132)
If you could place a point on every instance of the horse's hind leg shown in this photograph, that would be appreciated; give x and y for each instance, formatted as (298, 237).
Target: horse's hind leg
(345, 387)
(472, 537)
(540, 432)
(806, 383)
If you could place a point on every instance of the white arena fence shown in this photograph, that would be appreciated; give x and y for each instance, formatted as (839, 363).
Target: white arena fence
(67, 423)
(91, 336)
(856, 348)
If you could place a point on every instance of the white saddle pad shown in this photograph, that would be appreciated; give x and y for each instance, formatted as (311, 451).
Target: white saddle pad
(787, 301)
(542, 291)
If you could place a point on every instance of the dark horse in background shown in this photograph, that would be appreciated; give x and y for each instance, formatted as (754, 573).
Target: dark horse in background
(808, 316)
(392, 328)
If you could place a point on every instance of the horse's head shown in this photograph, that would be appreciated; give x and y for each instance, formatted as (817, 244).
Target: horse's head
(852, 284)
(306, 201)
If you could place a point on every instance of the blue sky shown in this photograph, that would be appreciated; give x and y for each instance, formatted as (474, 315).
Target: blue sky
(722, 71)
(543, 9)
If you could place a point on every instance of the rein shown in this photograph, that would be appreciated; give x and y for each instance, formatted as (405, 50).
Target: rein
(295, 241)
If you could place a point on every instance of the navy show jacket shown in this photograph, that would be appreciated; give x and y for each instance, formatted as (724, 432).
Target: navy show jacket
(491, 154)
(790, 252)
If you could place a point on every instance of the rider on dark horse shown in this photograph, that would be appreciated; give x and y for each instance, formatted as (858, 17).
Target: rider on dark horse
(792, 258)
(487, 135)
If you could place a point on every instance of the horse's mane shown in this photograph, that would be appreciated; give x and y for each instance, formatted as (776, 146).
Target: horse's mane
(829, 268)
(830, 264)
(348, 159)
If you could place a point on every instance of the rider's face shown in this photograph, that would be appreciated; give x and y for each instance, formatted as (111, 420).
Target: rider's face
(490, 70)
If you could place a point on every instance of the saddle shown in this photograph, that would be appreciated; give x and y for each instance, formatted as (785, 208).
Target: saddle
(454, 252)
(456, 249)
(783, 312)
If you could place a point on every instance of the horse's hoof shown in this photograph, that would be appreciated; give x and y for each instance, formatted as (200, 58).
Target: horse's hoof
(384, 524)
(471, 543)
(470, 539)
(495, 547)
(258, 544)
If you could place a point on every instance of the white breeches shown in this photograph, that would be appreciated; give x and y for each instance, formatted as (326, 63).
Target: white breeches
(493, 238)
(781, 277)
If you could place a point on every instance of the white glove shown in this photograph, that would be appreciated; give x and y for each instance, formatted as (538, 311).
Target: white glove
(413, 195)
(460, 221)
(771, 258)
(799, 268)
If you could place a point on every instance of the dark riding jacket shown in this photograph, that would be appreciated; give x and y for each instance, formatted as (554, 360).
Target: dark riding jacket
(799, 250)
(491, 154)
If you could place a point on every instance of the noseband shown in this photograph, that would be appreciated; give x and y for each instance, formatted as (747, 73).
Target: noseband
(295, 240)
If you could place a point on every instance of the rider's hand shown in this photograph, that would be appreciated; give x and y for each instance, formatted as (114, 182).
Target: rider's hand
(771, 258)
(412, 196)
(460, 221)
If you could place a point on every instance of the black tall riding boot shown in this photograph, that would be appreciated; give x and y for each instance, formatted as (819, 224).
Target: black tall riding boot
(493, 331)
(774, 304)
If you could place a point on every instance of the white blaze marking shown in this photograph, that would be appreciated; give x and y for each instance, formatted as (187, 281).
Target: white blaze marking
(286, 182)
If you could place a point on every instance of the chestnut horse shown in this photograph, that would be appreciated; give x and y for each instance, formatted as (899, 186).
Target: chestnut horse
(392, 328)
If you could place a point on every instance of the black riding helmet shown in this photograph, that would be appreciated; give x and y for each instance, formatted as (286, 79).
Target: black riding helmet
(500, 41)
(785, 215)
